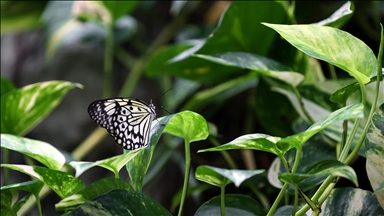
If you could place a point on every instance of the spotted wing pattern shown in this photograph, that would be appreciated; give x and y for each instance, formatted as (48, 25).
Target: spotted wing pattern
(127, 120)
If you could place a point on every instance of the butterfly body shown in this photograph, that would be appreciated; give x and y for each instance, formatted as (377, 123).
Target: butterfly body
(127, 120)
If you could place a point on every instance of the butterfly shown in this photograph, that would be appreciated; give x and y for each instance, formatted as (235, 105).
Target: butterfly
(127, 120)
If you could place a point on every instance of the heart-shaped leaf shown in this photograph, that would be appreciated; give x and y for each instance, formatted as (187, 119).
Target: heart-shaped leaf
(333, 46)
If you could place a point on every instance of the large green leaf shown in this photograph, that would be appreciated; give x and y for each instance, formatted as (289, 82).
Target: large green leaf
(333, 46)
(38, 150)
(297, 140)
(235, 204)
(62, 183)
(24, 108)
(351, 201)
(374, 142)
(239, 30)
(257, 63)
(322, 169)
(260, 142)
(120, 202)
(114, 164)
(220, 177)
(99, 187)
(188, 125)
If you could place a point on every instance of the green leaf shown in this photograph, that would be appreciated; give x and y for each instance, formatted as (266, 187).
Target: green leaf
(260, 142)
(324, 168)
(99, 187)
(18, 16)
(38, 150)
(119, 8)
(188, 125)
(374, 142)
(257, 63)
(120, 202)
(6, 86)
(114, 164)
(8, 197)
(333, 46)
(339, 17)
(346, 197)
(238, 30)
(297, 140)
(33, 187)
(219, 177)
(157, 63)
(221, 92)
(62, 183)
(342, 94)
(24, 108)
(138, 167)
(235, 204)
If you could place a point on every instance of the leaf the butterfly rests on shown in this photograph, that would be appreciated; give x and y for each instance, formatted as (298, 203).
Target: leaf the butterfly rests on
(127, 120)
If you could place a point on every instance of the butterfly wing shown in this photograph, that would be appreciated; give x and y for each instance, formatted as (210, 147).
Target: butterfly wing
(127, 120)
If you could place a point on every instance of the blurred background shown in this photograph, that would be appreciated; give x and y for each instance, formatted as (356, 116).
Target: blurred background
(66, 40)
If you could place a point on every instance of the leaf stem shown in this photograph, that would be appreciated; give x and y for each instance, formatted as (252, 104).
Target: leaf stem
(186, 176)
(222, 197)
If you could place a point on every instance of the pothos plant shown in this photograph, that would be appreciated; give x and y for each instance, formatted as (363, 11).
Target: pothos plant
(304, 164)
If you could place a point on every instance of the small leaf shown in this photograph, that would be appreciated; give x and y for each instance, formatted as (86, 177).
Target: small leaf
(24, 108)
(120, 202)
(114, 164)
(62, 183)
(216, 176)
(33, 186)
(260, 142)
(339, 17)
(324, 168)
(99, 187)
(235, 204)
(342, 94)
(346, 197)
(297, 140)
(188, 125)
(38, 150)
(374, 142)
(333, 46)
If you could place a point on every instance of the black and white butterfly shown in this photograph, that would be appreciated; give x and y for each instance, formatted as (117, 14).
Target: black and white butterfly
(127, 120)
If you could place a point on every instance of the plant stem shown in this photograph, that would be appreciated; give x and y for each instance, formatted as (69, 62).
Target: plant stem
(222, 198)
(108, 61)
(277, 200)
(6, 170)
(186, 176)
(332, 71)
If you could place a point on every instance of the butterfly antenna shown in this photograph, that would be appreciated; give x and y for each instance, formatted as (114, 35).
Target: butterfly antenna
(161, 95)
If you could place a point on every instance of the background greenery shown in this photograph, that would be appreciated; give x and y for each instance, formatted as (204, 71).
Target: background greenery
(143, 49)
